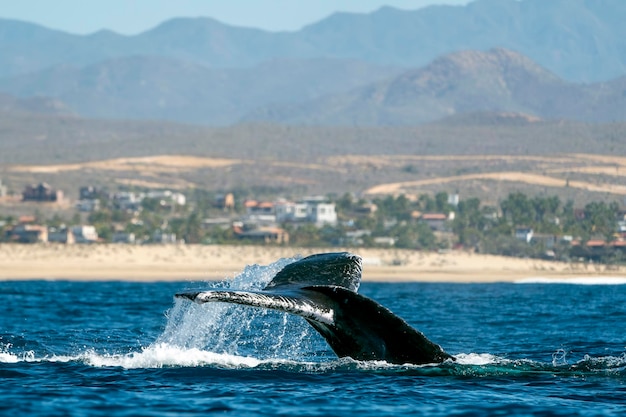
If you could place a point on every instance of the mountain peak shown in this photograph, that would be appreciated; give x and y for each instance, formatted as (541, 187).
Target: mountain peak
(492, 59)
(497, 86)
(496, 71)
(194, 25)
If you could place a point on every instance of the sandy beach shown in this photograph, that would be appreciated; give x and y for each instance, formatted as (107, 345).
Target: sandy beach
(213, 262)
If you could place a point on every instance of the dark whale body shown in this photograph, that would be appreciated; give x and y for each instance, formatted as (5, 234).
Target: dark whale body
(323, 289)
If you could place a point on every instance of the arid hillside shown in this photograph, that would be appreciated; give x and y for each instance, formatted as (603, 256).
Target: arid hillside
(473, 158)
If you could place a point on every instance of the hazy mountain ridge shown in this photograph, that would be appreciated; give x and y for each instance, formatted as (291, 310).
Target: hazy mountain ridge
(388, 67)
(150, 87)
(465, 82)
(323, 91)
(578, 40)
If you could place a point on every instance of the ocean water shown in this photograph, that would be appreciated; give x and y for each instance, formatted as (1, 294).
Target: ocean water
(131, 349)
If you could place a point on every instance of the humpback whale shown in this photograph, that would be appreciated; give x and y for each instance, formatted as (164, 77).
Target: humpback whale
(322, 289)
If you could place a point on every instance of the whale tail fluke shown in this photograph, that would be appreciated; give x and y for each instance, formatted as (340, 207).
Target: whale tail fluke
(322, 289)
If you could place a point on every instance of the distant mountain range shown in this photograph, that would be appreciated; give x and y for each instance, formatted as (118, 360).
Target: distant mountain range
(142, 87)
(580, 40)
(545, 58)
(496, 81)
(324, 92)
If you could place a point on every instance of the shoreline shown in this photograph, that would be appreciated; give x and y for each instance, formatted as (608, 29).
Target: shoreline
(154, 263)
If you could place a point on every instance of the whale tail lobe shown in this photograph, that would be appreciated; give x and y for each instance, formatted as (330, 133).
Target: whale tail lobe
(322, 289)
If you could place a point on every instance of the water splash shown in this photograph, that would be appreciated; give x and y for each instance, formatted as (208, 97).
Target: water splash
(164, 355)
(476, 359)
(6, 356)
(615, 365)
(559, 358)
(240, 330)
(214, 334)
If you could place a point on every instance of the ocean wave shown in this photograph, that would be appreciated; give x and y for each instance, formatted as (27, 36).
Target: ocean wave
(6, 356)
(163, 355)
(574, 280)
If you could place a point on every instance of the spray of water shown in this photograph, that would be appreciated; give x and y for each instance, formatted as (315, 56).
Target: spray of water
(559, 358)
(229, 329)
(214, 334)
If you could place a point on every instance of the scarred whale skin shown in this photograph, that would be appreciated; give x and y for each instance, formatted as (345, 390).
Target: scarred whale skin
(323, 289)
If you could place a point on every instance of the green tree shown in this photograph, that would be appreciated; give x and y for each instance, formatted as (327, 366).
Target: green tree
(151, 204)
(569, 224)
(193, 228)
(100, 216)
(397, 208)
(345, 204)
(518, 209)
(600, 219)
(414, 236)
(56, 221)
(426, 204)
(441, 203)
(469, 221)
(425, 237)
(105, 231)
(305, 235)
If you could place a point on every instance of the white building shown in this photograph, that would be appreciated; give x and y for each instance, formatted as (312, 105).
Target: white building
(260, 212)
(453, 200)
(524, 233)
(164, 238)
(60, 235)
(84, 234)
(322, 213)
(125, 200)
(288, 211)
(123, 237)
(167, 195)
(309, 210)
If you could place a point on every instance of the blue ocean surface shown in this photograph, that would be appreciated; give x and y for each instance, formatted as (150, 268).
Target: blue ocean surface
(131, 349)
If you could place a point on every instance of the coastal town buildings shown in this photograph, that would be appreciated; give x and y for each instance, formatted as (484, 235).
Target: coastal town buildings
(166, 217)
(311, 210)
(61, 235)
(28, 233)
(84, 234)
(41, 192)
(314, 210)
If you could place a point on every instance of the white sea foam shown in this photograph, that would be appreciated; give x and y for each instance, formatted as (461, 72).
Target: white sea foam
(157, 356)
(575, 280)
(163, 355)
(477, 359)
(6, 357)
